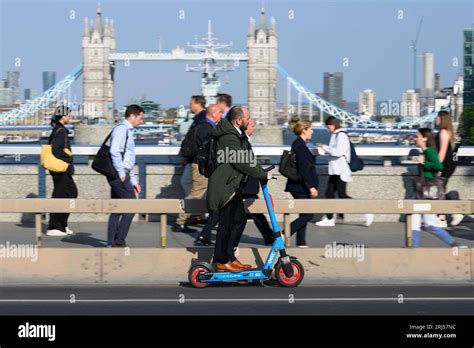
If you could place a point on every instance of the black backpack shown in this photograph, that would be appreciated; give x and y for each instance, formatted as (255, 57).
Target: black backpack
(102, 162)
(287, 166)
(188, 145)
(207, 157)
(356, 162)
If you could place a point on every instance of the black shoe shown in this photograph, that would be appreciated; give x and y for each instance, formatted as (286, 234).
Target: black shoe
(120, 245)
(200, 241)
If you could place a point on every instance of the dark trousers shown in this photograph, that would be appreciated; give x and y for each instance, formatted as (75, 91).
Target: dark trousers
(119, 224)
(259, 219)
(336, 185)
(212, 221)
(451, 195)
(232, 221)
(261, 222)
(298, 226)
(263, 226)
(64, 187)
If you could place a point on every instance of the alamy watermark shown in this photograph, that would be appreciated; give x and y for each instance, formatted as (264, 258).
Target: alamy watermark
(28, 330)
(334, 250)
(23, 251)
(236, 156)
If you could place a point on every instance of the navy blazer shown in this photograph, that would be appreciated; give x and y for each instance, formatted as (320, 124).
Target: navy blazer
(306, 164)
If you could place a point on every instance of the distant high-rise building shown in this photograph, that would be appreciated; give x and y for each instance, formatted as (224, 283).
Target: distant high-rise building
(452, 97)
(458, 93)
(6, 94)
(13, 82)
(428, 70)
(410, 104)
(468, 66)
(367, 103)
(437, 83)
(29, 94)
(427, 90)
(333, 87)
(49, 80)
(344, 104)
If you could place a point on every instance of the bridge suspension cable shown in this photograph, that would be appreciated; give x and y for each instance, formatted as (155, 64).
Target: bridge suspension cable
(51, 95)
(43, 101)
(345, 116)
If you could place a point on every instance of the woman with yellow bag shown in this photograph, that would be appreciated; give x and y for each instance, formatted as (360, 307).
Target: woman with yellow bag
(59, 162)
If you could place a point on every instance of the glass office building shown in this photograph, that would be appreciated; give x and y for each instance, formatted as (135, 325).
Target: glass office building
(468, 68)
(49, 80)
(333, 88)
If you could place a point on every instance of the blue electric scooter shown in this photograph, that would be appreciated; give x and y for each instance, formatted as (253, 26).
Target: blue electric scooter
(289, 272)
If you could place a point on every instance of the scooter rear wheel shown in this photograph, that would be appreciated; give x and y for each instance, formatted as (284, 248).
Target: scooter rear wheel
(293, 281)
(193, 276)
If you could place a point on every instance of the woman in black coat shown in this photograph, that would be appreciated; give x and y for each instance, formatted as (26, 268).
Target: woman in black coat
(64, 186)
(307, 187)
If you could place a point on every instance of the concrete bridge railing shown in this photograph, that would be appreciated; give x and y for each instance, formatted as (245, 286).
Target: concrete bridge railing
(163, 207)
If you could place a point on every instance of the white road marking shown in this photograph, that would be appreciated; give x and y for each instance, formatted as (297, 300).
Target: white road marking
(296, 299)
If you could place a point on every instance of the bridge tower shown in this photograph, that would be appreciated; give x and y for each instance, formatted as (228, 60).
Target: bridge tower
(262, 46)
(98, 40)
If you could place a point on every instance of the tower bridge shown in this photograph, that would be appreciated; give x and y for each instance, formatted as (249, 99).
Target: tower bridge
(100, 55)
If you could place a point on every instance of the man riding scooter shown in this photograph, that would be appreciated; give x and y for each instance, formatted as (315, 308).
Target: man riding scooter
(225, 186)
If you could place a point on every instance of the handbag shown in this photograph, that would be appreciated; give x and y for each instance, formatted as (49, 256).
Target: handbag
(432, 189)
(52, 163)
(287, 166)
(102, 162)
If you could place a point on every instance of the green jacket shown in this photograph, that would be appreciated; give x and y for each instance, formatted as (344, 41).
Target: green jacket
(432, 164)
(226, 179)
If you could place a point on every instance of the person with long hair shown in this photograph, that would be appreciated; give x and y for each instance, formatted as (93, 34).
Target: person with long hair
(339, 152)
(446, 147)
(64, 186)
(307, 187)
(430, 167)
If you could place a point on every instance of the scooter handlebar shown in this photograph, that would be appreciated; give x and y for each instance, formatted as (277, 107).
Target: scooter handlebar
(269, 168)
(265, 181)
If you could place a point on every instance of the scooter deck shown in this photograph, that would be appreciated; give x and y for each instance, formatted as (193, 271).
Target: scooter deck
(255, 273)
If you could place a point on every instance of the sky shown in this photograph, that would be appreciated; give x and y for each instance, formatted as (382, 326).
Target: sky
(314, 36)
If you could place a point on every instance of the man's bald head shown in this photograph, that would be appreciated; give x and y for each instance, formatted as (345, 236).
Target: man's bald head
(214, 113)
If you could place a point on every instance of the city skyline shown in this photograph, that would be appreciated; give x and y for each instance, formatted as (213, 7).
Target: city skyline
(132, 83)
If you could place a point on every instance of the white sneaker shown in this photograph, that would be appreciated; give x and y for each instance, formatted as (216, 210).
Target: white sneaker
(56, 233)
(459, 246)
(69, 231)
(325, 222)
(457, 218)
(369, 218)
(303, 246)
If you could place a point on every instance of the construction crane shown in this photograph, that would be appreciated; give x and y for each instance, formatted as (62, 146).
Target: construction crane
(413, 45)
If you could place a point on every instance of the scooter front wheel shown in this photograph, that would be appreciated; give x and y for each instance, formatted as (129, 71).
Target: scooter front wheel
(293, 281)
(193, 274)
